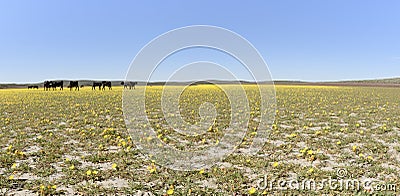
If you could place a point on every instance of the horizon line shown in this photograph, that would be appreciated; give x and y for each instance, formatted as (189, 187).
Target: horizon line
(273, 80)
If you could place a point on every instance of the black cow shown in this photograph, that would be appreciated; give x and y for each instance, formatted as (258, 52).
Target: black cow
(73, 84)
(58, 84)
(106, 84)
(47, 85)
(97, 84)
(33, 87)
(129, 84)
(53, 85)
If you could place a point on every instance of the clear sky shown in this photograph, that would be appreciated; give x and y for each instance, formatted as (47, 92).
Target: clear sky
(308, 40)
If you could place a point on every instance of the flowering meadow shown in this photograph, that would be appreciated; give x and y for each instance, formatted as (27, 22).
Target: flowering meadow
(76, 142)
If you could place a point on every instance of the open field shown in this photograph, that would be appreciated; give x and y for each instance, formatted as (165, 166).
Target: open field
(65, 142)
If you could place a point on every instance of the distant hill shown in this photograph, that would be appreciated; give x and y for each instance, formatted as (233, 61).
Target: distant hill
(390, 82)
(379, 81)
(4, 86)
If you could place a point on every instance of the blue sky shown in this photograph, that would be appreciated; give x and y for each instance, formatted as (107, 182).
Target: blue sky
(300, 40)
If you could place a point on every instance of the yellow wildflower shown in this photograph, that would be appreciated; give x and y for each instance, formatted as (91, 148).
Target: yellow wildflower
(170, 191)
(292, 135)
(201, 171)
(114, 166)
(304, 150)
(152, 168)
(252, 190)
(354, 148)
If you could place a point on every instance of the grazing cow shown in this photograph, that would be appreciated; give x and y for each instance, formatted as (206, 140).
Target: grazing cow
(47, 85)
(129, 84)
(73, 84)
(97, 84)
(58, 84)
(53, 85)
(106, 84)
(33, 87)
(81, 86)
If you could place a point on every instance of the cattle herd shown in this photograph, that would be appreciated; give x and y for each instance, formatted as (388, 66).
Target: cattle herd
(102, 85)
(53, 85)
